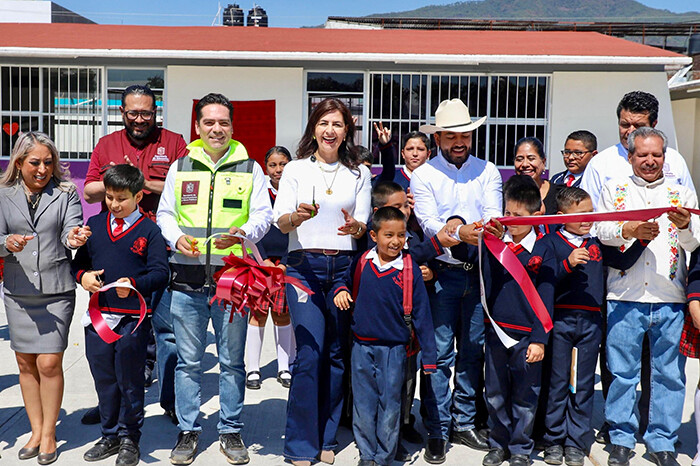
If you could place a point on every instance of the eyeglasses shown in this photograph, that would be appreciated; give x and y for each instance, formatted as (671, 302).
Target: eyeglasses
(574, 154)
(146, 115)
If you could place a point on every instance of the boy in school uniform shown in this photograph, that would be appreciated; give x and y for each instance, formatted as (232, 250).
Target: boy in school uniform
(125, 246)
(390, 301)
(579, 260)
(512, 375)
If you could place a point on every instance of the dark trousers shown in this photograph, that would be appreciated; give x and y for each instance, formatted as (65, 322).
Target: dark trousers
(512, 391)
(408, 389)
(377, 376)
(117, 370)
(568, 420)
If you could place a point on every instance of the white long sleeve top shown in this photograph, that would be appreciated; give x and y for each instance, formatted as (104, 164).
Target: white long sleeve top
(659, 276)
(302, 180)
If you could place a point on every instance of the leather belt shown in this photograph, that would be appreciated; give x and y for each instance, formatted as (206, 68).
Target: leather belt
(463, 266)
(330, 252)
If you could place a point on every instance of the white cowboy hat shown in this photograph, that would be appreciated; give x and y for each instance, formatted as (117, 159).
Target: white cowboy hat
(452, 115)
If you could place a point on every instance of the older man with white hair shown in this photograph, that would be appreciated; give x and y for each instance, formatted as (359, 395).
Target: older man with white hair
(648, 298)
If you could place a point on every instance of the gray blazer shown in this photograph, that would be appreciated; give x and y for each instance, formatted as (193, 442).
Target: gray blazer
(43, 266)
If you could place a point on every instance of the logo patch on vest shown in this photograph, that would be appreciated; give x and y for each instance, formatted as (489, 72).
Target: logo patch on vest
(190, 193)
(160, 155)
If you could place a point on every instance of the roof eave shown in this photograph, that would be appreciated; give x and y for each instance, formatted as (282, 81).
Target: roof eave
(428, 59)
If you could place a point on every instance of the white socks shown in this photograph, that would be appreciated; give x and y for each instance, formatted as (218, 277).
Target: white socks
(253, 346)
(286, 346)
(696, 461)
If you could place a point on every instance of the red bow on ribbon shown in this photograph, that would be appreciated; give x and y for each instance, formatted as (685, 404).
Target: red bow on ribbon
(243, 282)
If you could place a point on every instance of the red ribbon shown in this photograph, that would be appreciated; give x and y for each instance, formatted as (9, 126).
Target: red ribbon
(243, 282)
(511, 263)
(108, 335)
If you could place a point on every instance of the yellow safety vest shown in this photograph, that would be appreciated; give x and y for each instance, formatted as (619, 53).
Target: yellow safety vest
(210, 200)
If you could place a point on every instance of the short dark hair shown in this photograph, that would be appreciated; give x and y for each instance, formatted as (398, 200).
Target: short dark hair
(586, 137)
(386, 214)
(364, 155)
(640, 102)
(536, 143)
(523, 190)
(138, 89)
(213, 98)
(415, 135)
(570, 196)
(382, 191)
(278, 150)
(124, 176)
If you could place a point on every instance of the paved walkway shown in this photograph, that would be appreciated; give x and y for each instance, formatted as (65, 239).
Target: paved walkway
(264, 415)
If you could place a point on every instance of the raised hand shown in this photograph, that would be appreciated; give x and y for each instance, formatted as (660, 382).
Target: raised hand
(383, 134)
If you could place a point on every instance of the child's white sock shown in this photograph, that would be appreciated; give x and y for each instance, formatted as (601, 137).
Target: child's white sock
(286, 346)
(253, 346)
(696, 461)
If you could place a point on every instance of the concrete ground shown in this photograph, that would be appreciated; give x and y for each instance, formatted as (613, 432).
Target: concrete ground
(264, 415)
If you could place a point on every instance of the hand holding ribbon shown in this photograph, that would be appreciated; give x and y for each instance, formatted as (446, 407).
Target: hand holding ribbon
(107, 334)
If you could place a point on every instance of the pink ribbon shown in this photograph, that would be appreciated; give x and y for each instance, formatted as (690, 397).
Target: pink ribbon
(108, 335)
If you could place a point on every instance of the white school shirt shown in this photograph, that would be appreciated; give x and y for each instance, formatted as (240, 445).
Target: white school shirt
(113, 320)
(576, 240)
(613, 163)
(373, 255)
(659, 276)
(303, 181)
(441, 190)
(528, 242)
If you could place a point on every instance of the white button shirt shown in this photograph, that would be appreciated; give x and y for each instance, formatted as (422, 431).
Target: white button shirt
(659, 276)
(613, 163)
(441, 190)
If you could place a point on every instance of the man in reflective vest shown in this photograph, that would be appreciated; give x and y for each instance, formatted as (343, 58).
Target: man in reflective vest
(215, 189)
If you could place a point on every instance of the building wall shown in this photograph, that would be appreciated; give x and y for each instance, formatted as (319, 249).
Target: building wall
(22, 11)
(285, 85)
(687, 117)
(588, 100)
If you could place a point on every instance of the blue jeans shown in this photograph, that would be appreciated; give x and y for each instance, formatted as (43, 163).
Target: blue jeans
(458, 318)
(627, 324)
(321, 331)
(191, 313)
(166, 351)
(377, 382)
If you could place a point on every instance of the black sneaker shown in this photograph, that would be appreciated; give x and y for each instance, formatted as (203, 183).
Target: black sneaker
(185, 448)
(104, 448)
(554, 454)
(233, 448)
(129, 453)
(574, 456)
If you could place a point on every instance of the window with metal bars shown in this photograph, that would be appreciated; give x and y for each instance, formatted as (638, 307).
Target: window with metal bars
(515, 105)
(64, 102)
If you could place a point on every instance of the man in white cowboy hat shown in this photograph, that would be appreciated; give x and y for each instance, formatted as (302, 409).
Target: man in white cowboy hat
(455, 185)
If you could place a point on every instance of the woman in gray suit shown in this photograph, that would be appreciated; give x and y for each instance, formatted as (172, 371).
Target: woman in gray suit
(40, 221)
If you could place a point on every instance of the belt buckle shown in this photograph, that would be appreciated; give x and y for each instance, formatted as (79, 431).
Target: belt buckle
(330, 252)
(467, 266)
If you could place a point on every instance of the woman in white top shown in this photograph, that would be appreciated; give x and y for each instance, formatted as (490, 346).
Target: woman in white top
(323, 203)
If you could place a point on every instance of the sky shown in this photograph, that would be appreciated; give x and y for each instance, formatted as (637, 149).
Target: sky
(281, 13)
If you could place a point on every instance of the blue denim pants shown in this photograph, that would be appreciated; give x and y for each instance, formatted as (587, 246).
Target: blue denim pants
(627, 324)
(377, 382)
(321, 331)
(191, 312)
(166, 351)
(458, 319)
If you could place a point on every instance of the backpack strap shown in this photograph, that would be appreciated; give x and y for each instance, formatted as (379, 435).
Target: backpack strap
(358, 273)
(407, 288)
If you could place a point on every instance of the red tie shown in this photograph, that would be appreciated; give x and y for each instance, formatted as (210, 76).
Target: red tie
(569, 180)
(512, 246)
(120, 226)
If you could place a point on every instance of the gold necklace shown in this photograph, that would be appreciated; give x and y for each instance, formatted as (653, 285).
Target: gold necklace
(33, 203)
(329, 191)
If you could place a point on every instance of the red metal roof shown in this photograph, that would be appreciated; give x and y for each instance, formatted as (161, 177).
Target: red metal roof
(98, 36)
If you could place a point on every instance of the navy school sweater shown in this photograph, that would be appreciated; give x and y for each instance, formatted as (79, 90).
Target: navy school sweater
(378, 316)
(138, 253)
(693, 290)
(504, 297)
(583, 287)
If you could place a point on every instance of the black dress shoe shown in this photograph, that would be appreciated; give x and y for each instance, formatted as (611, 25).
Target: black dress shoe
(402, 455)
(147, 377)
(104, 448)
(286, 382)
(495, 457)
(554, 454)
(129, 453)
(603, 435)
(253, 384)
(619, 456)
(411, 435)
(574, 456)
(435, 451)
(471, 438)
(519, 460)
(91, 416)
(663, 458)
(171, 414)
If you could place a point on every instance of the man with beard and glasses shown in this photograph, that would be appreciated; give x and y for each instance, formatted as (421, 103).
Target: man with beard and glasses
(455, 186)
(152, 150)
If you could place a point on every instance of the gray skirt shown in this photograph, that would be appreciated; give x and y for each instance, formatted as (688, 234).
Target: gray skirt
(39, 324)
